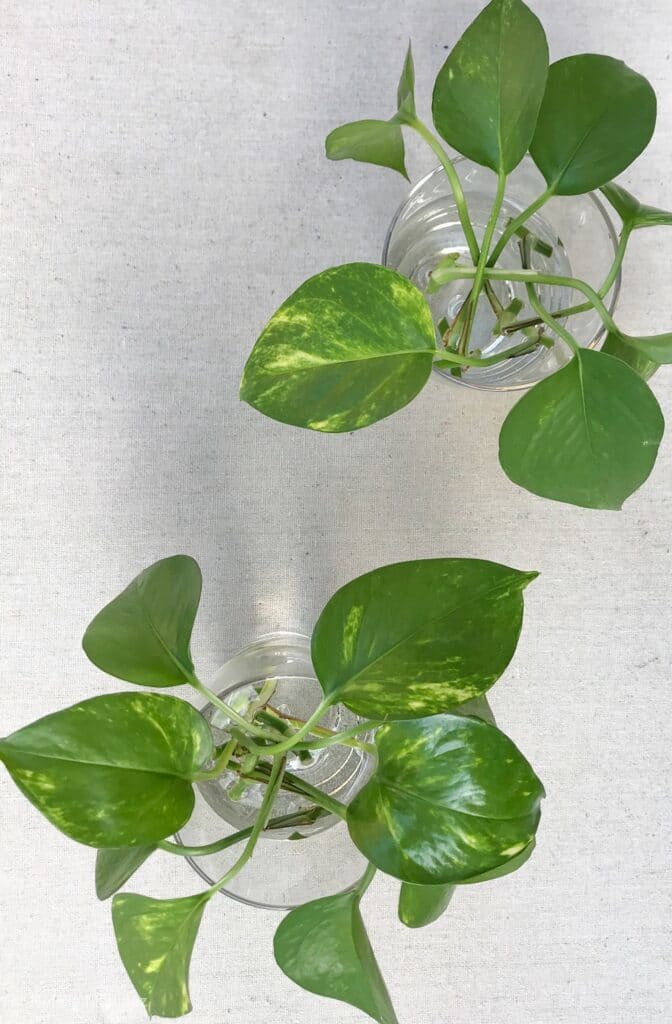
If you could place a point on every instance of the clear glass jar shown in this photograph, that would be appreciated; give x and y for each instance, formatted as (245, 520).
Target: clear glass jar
(579, 230)
(285, 870)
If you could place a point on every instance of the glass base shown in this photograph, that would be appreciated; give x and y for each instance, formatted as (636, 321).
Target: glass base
(577, 229)
(292, 865)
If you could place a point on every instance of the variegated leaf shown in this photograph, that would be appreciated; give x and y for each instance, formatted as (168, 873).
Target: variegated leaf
(420, 905)
(155, 940)
(143, 635)
(417, 638)
(349, 347)
(112, 770)
(451, 799)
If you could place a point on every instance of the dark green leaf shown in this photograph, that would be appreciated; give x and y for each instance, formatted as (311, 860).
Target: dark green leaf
(633, 213)
(155, 940)
(349, 347)
(596, 118)
(406, 88)
(370, 142)
(420, 905)
(116, 865)
(114, 770)
(416, 638)
(451, 798)
(324, 948)
(504, 869)
(644, 367)
(488, 93)
(143, 635)
(587, 435)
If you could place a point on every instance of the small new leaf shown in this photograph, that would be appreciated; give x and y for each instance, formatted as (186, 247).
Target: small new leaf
(370, 142)
(596, 118)
(587, 435)
(155, 940)
(644, 367)
(323, 947)
(451, 799)
(654, 347)
(406, 89)
(633, 213)
(488, 93)
(113, 770)
(143, 635)
(417, 638)
(420, 905)
(349, 347)
(116, 865)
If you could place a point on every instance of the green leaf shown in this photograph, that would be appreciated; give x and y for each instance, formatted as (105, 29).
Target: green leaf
(654, 347)
(370, 142)
(406, 88)
(488, 93)
(633, 213)
(113, 770)
(451, 798)
(615, 345)
(143, 635)
(116, 865)
(349, 347)
(155, 940)
(416, 638)
(504, 869)
(420, 905)
(324, 948)
(596, 118)
(588, 435)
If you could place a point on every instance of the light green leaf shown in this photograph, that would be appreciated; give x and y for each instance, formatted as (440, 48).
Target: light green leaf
(349, 347)
(633, 213)
(116, 865)
(420, 905)
(143, 635)
(654, 347)
(370, 142)
(488, 93)
(324, 948)
(596, 118)
(155, 940)
(644, 367)
(113, 770)
(416, 638)
(406, 89)
(451, 798)
(588, 435)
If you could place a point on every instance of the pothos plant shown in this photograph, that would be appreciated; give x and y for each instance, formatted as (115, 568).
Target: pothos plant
(357, 342)
(450, 801)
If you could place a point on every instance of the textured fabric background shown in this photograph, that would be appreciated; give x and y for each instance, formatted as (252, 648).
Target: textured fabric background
(163, 188)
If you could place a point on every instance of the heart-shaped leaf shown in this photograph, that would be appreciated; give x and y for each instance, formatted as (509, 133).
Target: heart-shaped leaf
(349, 347)
(416, 638)
(113, 770)
(324, 948)
(420, 905)
(644, 367)
(488, 93)
(633, 213)
(451, 798)
(370, 142)
(596, 118)
(116, 865)
(587, 435)
(155, 940)
(143, 635)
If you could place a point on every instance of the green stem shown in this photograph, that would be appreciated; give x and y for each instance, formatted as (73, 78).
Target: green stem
(249, 727)
(532, 277)
(296, 819)
(516, 223)
(346, 738)
(274, 783)
(455, 184)
(454, 358)
(221, 762)
(366, 879)
(297, 785)
(289, 742)
(479, 277)
(584, 307)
